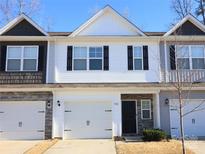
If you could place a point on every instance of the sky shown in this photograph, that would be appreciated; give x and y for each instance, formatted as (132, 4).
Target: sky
(67, 15)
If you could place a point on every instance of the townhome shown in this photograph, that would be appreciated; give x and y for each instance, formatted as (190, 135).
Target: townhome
(106, 79)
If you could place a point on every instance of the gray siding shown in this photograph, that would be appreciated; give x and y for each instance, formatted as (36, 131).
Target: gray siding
(164, 109)
(188, 28)
(24, 28)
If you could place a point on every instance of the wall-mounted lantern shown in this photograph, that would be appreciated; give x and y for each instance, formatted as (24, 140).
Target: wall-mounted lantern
(166, 101)
(58, 102)
(48, 104)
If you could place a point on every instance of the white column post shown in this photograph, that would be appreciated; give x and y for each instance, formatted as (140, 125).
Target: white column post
(116, 116)
(156, 111)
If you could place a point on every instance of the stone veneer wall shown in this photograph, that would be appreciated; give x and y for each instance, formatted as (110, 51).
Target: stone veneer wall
(21, 78)
(34, 96)
(142, 124)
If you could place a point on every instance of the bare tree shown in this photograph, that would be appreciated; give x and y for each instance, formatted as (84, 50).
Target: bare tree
(11, 8)
(182, 81)
(200, 10)
(182, 8)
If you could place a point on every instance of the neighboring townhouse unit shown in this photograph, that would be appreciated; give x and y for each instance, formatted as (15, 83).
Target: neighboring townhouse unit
(106, 79)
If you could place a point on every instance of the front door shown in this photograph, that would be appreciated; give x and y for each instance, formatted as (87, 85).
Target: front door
(129, 117)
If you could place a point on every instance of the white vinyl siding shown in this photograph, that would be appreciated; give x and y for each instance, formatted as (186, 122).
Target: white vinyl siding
(22, 58)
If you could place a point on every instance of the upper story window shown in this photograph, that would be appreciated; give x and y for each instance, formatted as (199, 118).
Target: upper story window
(95, 58)
(22, 58)
(198, 57)
(138, 58)
(88, 58)
(80, 58)
(183, 57)
(190, 57)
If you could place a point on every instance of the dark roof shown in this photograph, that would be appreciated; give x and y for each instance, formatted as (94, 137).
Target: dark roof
(59, 33)
(155, 33)
(68, 33)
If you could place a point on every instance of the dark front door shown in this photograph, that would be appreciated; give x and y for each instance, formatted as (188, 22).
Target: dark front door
(128, 117)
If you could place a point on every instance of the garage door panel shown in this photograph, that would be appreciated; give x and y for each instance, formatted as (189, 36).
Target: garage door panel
(22, 120)
(88, 120)
(193, 123)
(34, 135)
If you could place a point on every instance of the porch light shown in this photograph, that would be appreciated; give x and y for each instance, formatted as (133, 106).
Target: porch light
(48, 104)
(166, 101)
(58, 102)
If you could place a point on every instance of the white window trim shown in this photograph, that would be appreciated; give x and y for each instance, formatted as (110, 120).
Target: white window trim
(22, 58)
(150, 109)
(190, 55)
(88, 58)
(138, 58)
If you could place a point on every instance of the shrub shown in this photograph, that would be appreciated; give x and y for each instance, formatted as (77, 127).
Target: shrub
(154, 135)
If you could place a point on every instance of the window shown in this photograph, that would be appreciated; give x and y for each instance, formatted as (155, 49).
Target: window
(190, 57)
(182, 55)
(138, 58)
(88, 58)
(22, 58)
(80, 58)
(146, 109)
(95, 58)
(197, 54)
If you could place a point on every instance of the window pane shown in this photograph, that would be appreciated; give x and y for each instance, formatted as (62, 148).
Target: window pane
(198, 63)
(14, 52)
(197, 52)
(95, 64)
(182, 51)
(13, 64)
(145, 105)
(138, 52)
(183, 63)
(138, 64)
(80, 52)
(95, 52)
(80, 64)
(30, 52)
(146, 114)
(29, 65)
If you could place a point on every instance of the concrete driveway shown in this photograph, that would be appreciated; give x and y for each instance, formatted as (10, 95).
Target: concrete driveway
(16, 147)
(83, 147)
(196, 146)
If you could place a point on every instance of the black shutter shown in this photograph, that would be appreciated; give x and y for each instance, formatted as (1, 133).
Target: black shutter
(3, 58)
(42, 58)
(172, 57)
(106, 58)
(130, 57)
(69, 57)
(145, 58)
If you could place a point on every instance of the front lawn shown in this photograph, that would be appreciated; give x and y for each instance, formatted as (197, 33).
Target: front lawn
(171, 147)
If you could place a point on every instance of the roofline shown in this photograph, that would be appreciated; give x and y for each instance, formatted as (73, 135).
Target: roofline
(98, 14)
(17, 20)
(189, 17)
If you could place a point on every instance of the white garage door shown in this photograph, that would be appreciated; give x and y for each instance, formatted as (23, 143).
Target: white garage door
(88, 120)
(22, 120)
(194, 125)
